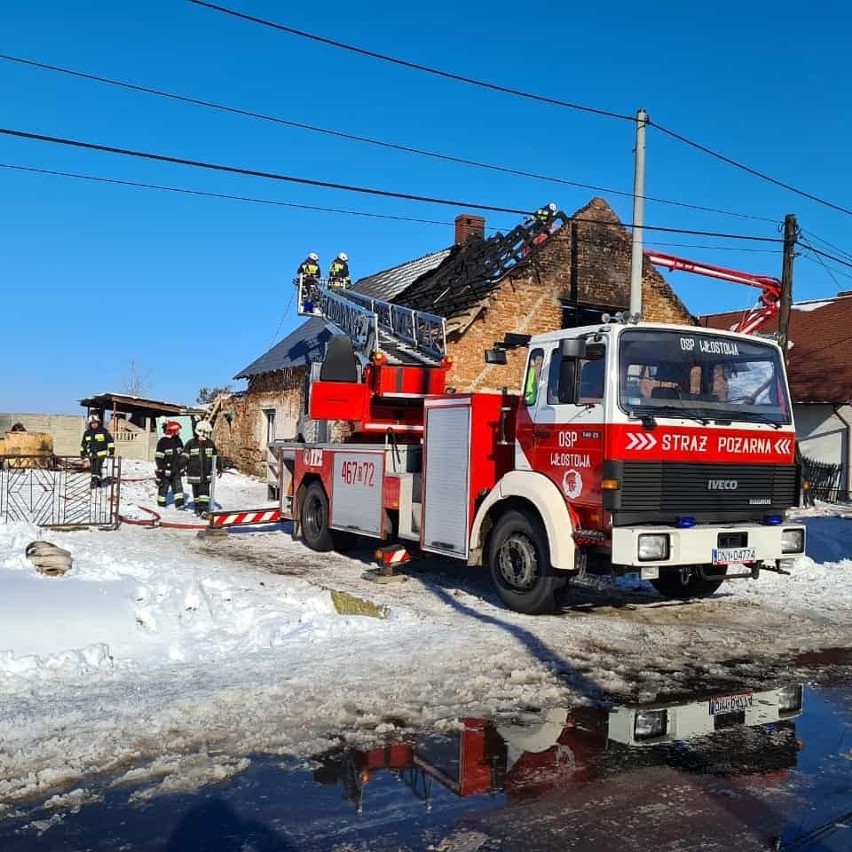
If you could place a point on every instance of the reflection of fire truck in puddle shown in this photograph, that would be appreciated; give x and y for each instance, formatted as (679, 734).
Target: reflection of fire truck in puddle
(742, 733)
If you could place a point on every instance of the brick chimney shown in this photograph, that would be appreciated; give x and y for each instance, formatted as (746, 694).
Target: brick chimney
(467, 226)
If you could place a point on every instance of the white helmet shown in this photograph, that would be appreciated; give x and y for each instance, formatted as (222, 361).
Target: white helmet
(313, 256)
(93, 418)
(203, 427)
(551, 207)
(343, 256)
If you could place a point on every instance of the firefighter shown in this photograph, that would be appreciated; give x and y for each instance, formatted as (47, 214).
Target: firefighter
(167, 459)
(338, 272)
(308, 275)
(96, 445)
(200, 460)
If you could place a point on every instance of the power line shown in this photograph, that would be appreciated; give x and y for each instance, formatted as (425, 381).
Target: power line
(218, 167)
(414, 65)
(748, 169)
(825, 242)
(828, 256)
(519, 93)
(222, 195)
(714, 248)
(407, 149)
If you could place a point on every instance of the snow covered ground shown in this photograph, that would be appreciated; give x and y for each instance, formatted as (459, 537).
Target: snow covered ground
(164, 660)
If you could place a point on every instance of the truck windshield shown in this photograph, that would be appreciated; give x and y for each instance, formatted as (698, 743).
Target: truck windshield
(703, 375)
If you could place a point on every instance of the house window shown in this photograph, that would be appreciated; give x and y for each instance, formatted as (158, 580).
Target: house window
(269, 413)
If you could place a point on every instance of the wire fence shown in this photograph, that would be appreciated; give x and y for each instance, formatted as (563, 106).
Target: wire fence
(58, 491)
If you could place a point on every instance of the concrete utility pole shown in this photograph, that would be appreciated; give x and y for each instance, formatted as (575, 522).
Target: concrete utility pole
(637, 258)
(791, 232)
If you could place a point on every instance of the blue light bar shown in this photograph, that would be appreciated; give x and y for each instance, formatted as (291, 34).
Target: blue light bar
(772, 520)
(685, 523)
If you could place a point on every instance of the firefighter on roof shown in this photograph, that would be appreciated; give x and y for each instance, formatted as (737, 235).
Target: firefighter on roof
(96, 445)
(544, 216)
(338, 272)
(201, 460)
(169, 463)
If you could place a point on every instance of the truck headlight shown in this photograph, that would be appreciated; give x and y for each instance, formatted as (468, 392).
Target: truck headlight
(654, 547)
(793, 540)
(650, 724)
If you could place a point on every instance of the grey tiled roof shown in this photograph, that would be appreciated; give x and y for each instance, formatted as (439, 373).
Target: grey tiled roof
(307, 342)
(388, 283)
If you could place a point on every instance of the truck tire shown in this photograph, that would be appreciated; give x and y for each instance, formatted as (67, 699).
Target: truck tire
(314, 519)
(519, 557)
(671, 583)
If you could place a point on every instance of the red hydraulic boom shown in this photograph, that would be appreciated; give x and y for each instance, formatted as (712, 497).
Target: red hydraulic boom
(768, 302)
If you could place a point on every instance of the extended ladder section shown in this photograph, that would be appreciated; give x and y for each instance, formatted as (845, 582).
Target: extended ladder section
(402, 335)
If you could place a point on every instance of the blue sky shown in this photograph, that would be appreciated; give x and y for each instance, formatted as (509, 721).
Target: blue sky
(104, 281)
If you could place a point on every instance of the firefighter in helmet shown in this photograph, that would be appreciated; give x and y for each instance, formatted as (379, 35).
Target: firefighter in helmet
(338, 272)
(96, 445)
(201, 460)
(544, 216)
(167, 460)
(307, 278)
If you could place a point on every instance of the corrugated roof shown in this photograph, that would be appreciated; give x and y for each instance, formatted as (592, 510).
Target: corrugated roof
(126, 402)
(306, 343)
(819, 365)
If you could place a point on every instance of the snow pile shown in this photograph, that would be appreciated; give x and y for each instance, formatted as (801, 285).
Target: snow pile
(166, 660)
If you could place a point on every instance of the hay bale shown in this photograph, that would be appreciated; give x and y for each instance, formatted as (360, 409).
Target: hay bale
(49, 559)
(27, 449)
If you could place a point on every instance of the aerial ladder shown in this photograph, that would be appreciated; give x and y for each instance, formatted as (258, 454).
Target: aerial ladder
(769, 301)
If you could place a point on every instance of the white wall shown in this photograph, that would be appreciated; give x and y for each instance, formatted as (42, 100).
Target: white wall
(824, 436)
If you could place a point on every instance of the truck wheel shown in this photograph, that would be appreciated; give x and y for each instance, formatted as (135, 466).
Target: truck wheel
(314, 519)
(676, 584)
(520, 564)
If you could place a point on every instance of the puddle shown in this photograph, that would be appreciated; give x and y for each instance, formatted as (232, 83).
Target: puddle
(764, 769)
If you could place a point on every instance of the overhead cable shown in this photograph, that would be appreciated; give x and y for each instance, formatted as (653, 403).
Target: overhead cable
(414, 65)
(407, 149)
(218, 167)
(748, 169)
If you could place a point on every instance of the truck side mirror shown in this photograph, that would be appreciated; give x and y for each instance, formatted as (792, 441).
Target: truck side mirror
(573, 347)
(567, 390)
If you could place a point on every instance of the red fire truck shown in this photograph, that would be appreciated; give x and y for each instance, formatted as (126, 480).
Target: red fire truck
(633, 447)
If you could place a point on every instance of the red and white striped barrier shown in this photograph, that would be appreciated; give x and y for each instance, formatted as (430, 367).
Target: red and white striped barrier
(248, 516)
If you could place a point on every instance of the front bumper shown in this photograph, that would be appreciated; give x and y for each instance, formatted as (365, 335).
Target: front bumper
(695, 545)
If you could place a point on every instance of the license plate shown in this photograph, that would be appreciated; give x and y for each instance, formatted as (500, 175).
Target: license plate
(731, 703)
(732, 555)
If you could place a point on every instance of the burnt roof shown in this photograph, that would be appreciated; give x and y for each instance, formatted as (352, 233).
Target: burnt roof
(820, 333)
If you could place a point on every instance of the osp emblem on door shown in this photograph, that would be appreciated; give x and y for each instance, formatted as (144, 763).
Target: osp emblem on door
(572, 484)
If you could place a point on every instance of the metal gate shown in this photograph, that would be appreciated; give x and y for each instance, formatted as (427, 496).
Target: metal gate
(55, 491)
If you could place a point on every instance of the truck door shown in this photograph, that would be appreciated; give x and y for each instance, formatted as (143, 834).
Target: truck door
(568, 424)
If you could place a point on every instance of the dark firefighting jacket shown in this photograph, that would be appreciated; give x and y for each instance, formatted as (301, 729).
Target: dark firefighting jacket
(167, 457)
(197, 458)
(97, 443)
